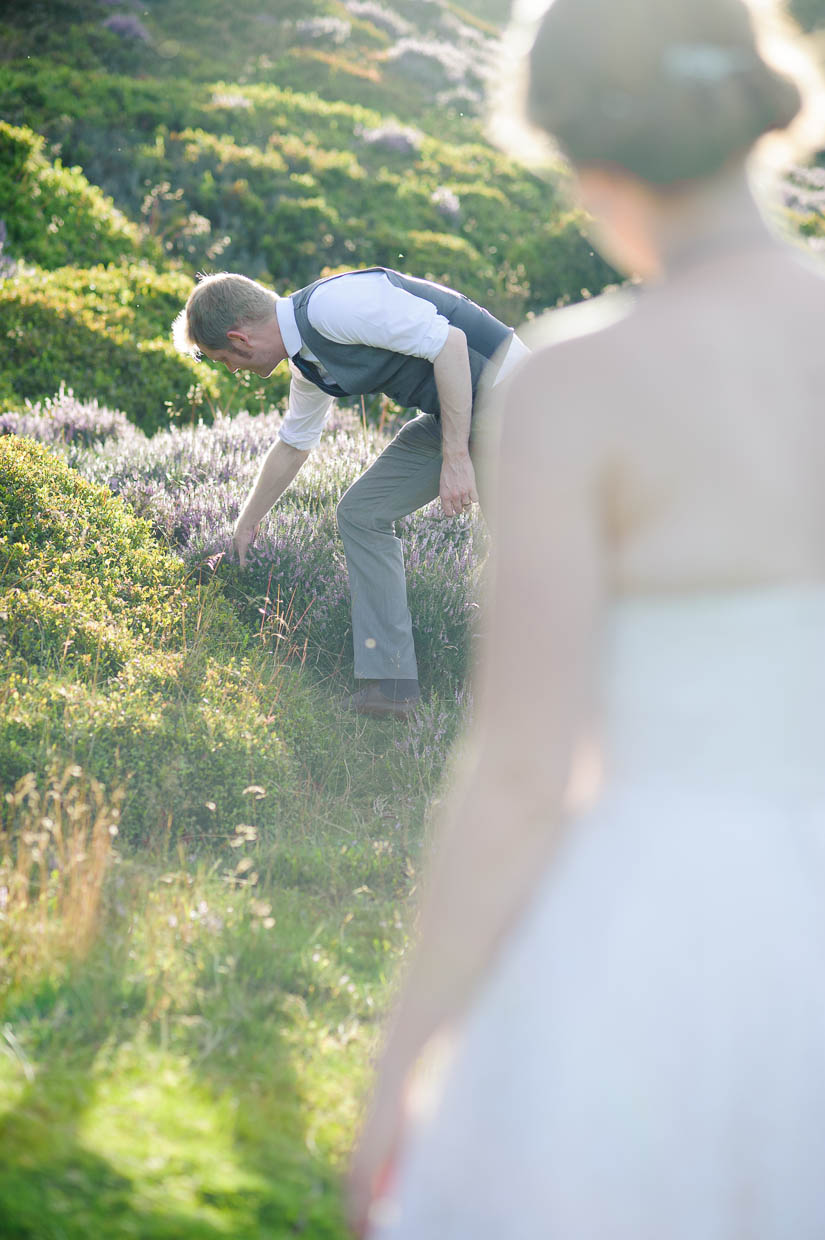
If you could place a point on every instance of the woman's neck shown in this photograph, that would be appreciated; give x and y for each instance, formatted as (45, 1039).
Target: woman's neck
(717, 218)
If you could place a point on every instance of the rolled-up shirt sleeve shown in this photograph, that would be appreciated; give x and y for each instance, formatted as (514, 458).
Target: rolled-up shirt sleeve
(307, 413)
(365, 308)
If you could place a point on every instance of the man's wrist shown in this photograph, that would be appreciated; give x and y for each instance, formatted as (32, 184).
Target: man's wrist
(455, 455)
(243, 523)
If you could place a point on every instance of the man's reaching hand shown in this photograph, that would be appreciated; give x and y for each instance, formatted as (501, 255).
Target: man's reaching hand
(458, 485)
(242, 540)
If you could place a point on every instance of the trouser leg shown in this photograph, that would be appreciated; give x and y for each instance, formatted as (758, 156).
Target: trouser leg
(405, 477)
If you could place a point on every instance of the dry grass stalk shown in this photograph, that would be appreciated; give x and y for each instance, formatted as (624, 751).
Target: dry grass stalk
(56, 846)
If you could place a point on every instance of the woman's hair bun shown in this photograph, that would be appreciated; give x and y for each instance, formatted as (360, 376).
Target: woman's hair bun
(669, 91)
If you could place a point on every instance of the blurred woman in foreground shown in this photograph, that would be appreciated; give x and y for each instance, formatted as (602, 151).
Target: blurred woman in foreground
(635, 970)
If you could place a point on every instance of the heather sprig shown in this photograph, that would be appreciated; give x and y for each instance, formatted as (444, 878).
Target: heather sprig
(66, 420)
(424, 745)
(333, 30)
(385, 19)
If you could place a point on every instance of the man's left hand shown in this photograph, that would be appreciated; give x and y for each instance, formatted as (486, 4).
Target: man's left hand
(242, 539)
(458, 485)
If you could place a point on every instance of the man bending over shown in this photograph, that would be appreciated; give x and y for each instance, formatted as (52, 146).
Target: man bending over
(422, 344)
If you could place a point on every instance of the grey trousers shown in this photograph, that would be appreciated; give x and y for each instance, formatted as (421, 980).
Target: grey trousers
(405, 477)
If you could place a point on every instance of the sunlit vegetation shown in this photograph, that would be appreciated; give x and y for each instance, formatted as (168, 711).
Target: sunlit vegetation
(205, 862)
(283, 143)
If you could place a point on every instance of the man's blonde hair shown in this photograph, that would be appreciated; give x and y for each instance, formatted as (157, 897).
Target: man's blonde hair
(219, 304)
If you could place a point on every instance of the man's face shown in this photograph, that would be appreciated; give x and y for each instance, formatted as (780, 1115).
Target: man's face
(237, 359)
(255, 347)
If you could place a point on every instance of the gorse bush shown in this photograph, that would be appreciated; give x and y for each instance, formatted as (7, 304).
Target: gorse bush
(250, 176)
(175, 41)
(295, 200)
(62, 535)
(302, 186)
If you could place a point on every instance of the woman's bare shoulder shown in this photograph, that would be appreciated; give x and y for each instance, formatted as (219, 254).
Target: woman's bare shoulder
(585, 321)
(577, 354)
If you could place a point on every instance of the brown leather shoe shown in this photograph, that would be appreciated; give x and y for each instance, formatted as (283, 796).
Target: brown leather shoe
(371, 701)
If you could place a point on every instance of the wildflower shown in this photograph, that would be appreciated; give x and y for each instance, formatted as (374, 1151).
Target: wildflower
(127, 26)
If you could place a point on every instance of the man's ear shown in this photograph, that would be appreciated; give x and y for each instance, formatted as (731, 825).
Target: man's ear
(238, 338)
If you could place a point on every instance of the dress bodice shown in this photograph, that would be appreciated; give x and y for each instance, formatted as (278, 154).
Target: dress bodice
(718, 691)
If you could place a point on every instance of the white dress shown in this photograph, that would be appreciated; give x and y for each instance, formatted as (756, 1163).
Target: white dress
(647, 1061)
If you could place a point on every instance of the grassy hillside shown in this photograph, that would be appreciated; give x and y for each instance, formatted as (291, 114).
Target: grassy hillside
(312, 137)
(206, 863)
(306, 138)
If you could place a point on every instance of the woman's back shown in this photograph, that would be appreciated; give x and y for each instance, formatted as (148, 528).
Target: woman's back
(706, 405)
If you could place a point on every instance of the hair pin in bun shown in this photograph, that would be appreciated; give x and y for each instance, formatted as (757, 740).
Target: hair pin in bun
(705, 62)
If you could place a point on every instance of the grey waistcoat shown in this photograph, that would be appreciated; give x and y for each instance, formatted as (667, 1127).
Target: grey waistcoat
(357, 368)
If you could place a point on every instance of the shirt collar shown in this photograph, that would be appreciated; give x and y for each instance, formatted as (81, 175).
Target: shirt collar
(289, 328)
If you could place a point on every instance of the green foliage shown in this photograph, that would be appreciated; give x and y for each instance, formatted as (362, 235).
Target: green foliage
(301, 184)
(496, 11)
(115, 658)
(66, 538)
(51, 334)
(251, 44)
(136, 297)
(449, 259)
(52, 214)
(194, 1069)
(105, 332)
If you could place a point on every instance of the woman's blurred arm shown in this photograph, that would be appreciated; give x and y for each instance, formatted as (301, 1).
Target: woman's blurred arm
(534, 694)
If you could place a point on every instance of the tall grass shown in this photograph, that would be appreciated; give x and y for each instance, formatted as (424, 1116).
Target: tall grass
(56, 848)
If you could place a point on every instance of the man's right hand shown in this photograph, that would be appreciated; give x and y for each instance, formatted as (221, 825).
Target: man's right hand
(242, 540)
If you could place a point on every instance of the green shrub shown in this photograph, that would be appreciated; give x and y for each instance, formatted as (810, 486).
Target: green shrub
(449, 259)
(300, 186)
(137, 296)
(105, 332)
(52, 336)
(74, 548)
(52, 214)
(266, 201)
(114, 658)
(560, 263)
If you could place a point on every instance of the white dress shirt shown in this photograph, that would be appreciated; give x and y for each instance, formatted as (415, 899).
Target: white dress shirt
(361, 308)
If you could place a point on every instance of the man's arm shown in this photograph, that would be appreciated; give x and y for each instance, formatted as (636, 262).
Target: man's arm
(300, 433)
(453, 382)
(365, 308)
(280, 466)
